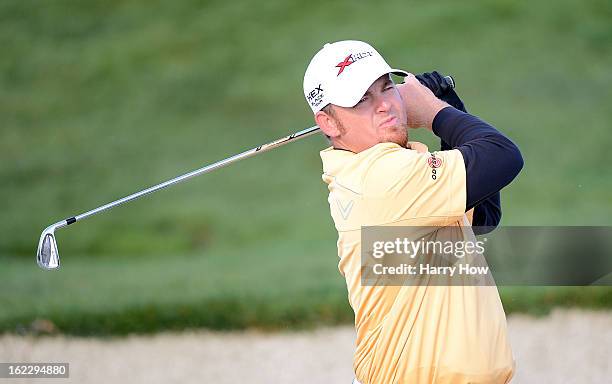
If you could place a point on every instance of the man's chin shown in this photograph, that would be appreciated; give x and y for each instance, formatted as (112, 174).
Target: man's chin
(398, 135)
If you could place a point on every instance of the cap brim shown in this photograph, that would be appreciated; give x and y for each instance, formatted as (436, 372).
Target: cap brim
(399, 72)
(360, 89)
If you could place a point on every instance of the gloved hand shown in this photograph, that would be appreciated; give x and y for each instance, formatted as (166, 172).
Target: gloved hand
(436, 83)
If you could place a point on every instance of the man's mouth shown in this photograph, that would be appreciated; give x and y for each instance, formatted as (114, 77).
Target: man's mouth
(389, 122)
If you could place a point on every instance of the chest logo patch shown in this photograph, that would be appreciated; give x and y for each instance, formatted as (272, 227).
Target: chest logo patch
(345, 210)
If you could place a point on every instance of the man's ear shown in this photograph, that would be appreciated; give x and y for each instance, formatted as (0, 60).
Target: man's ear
(328, 124)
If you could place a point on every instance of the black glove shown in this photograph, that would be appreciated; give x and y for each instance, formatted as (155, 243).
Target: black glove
(440, 88)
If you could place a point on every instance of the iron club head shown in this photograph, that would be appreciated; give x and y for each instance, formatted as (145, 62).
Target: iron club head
(47, 255)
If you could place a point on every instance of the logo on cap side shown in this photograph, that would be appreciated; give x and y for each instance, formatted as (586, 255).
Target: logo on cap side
(315, 96)
(350, 59)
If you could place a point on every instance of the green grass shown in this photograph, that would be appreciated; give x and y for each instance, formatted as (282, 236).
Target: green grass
(219, 290)
(102, 98)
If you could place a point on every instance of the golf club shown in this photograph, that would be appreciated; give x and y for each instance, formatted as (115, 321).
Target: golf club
(47, 255)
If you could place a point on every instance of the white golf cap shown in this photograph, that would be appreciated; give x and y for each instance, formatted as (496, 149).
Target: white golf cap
(341, 73)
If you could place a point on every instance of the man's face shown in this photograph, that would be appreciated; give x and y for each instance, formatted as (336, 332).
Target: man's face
(379, 117)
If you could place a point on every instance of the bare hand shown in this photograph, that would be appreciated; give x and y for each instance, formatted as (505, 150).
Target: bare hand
(417, 146)
(421, 104)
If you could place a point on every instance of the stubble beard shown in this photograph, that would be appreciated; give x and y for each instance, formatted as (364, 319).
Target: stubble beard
(399, 136)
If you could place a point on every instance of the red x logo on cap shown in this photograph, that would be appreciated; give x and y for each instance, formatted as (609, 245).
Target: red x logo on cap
(343, 64)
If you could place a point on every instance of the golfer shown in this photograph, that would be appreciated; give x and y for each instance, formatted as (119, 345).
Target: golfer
(377, 177)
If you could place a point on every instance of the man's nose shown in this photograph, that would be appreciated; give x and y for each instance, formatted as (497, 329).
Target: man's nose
(382, 105)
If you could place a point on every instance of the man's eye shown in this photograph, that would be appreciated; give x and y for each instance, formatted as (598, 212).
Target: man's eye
(388, 87)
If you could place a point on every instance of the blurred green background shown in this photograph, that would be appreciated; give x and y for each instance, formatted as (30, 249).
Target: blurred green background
(99, 99)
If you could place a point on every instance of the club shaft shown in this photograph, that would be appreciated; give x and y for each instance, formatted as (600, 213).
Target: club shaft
(219, 164)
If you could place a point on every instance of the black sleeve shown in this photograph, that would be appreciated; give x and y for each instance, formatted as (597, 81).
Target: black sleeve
(492, 160)
(488, 213)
